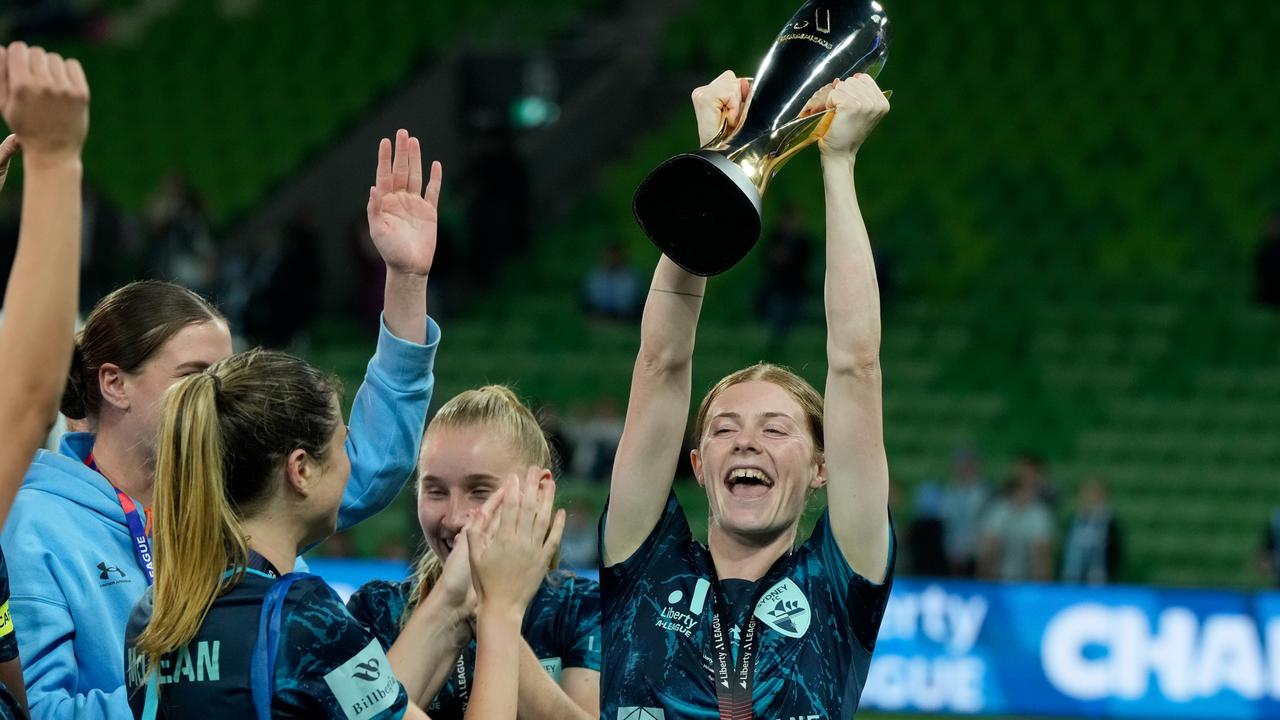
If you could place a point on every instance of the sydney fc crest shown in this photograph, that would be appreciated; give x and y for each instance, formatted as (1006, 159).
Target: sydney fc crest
(785, 609)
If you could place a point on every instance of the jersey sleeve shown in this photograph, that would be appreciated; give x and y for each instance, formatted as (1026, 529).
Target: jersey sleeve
(329, 666)
(8, 638)
(860, 602)
(387, 418)
(581, 598)
(379, 607)
(671, 535)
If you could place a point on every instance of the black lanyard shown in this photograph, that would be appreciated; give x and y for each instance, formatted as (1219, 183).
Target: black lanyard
(733, 692)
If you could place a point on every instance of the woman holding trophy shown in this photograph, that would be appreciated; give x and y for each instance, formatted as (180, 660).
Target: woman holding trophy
(786, 629)
(754, 624)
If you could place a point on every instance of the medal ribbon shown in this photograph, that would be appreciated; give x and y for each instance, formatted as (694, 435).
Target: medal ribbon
(733, 692)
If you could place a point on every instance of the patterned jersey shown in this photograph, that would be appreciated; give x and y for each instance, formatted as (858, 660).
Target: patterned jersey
(562, 626)
(816, 625)
(327, 665)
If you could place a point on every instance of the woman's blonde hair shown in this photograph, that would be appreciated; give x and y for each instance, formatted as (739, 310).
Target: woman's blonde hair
(498, 410)
(809, 399)
(223, 434)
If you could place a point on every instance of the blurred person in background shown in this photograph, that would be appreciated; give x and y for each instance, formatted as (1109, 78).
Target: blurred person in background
(1092, 550)
(1017, 535)
(285, 287)
(595, 431)
(1031, 467)
(1267, 265)
(964, 500)
(1269, 550)
(180, 243)
(925, 533)
(476, 442)
(612, 289)
(44, 100)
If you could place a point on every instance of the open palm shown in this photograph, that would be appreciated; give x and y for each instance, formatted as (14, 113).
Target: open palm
(402, 222)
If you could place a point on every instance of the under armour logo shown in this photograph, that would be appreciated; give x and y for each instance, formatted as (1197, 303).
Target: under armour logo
(367, 671)
(107, 570)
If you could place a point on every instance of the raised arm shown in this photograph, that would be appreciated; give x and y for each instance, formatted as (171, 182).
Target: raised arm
(658, 408)
(857, 470)
(45, 101)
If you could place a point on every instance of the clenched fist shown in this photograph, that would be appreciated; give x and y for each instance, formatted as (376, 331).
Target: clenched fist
(45, 101)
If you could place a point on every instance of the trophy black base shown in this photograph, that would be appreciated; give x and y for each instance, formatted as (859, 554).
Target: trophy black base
(700, 210)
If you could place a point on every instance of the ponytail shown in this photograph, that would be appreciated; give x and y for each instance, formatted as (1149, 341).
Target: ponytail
(197, 533)
(73, 395)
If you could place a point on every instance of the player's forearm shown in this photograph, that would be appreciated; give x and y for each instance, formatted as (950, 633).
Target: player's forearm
(852, 293)
(670, 319)
(540, 698)
(498, 641)
(427, 649)
(40, 303)
(404, 306)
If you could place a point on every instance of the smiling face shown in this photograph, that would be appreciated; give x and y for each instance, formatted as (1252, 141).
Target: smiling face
(757, 460)
(460, 467)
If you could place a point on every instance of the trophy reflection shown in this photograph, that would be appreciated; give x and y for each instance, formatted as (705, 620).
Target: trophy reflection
(702, 209)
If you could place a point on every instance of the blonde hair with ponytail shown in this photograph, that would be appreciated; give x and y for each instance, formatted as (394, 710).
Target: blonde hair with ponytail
(223, 434)
(498, 410)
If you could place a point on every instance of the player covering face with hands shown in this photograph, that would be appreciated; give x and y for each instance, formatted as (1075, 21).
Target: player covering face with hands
(44, 99)
(754, 624)
(476, 441)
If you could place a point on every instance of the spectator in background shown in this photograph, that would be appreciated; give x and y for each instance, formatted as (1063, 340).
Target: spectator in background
(612, 290)
(579, 547)
(963, 502)
(1267, 265)
(180, 239)
(595, 432)
(1092, 551)
(925, 533)
(785, 284)
(1269, 554)
(1017, 535)
(285, 287)
(1030, 466)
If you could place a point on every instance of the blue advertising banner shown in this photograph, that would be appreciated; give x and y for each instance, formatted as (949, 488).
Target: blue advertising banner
(1123, 652)
(1055, 650)
(345, 576)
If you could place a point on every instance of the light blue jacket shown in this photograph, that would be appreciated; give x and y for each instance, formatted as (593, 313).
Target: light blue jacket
(72, 572)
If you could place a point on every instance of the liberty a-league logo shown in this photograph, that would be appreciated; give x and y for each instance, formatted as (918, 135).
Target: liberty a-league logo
(785, 609)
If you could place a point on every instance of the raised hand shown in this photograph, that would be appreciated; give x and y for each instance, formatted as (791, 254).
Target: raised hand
(859, 105)
(512, 541)
(402, 222)
(45, 102)
(720, 104)
(8, 149)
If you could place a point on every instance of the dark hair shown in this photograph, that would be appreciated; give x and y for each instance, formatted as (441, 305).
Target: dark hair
(223, 434)
(126, 328)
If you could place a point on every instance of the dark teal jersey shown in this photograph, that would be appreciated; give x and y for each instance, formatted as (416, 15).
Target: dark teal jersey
(562, 627)
(815, 625)
(8, 638)
(327, 665)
